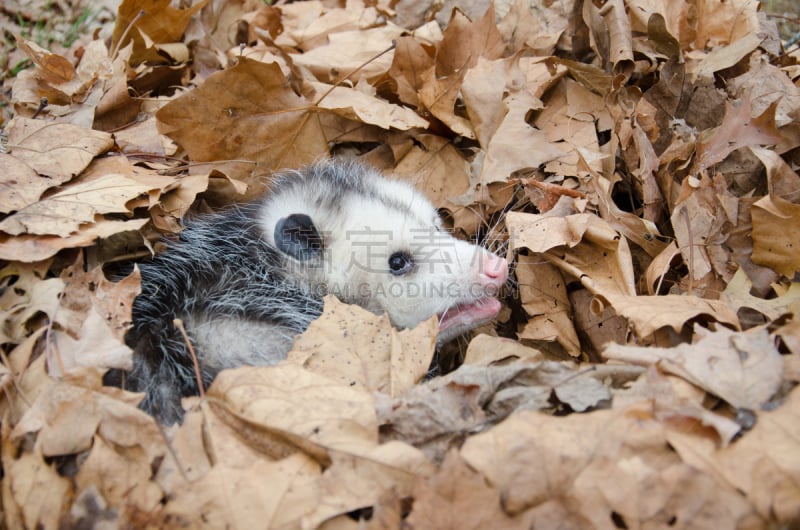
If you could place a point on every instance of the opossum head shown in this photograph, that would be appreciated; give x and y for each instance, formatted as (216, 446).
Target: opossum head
(347, 230)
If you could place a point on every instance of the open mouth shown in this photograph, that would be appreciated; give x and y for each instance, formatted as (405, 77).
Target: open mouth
(464, 317)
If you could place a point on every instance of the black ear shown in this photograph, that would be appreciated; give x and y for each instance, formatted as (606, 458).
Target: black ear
(297, 236)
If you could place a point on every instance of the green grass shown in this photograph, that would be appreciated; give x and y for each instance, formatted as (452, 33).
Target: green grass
(56, 28)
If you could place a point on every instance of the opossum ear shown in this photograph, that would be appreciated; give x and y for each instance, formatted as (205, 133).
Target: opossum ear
(297, 236)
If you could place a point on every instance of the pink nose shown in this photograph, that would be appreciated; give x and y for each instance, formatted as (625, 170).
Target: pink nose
(494, 270)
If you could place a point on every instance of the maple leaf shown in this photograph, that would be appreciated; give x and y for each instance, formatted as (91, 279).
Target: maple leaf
(249, 112)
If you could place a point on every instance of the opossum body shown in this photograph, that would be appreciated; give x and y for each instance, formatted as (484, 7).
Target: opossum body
(247, 280)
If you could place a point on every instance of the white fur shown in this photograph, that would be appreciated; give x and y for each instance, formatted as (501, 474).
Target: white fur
(363, 233)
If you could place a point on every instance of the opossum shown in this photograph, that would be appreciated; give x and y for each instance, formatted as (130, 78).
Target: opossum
(247, 280)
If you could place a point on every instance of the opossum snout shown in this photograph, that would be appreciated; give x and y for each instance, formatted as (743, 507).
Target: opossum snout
(493, 271)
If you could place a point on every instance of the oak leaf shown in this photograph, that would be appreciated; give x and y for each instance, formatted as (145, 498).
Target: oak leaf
(743, 368)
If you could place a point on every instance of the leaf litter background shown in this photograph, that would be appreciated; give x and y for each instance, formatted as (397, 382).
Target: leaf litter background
(638, 159)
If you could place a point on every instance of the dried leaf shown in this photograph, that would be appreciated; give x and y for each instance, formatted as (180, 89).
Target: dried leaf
(743, 368)
(55, 68)
(579, 470)
(737, 130)
(30, 248)
(365, 53)
(56, 150)
(20, 185)
(435, 416)
(409, 65)
(773, 245)
(458, 497)
(371, 474)
(247, 111)
(543, 293)
(246, 498)
(353, 104)
(726, 56)
(64, 213)
(763, 464)
(324, 414)
(737, 294)
(34, 494)
(516, 144)
(155, 21)
(363, 350)
(602, 261)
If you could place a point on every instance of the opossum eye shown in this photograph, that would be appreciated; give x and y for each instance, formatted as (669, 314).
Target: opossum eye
(297, 236)
(400, 263)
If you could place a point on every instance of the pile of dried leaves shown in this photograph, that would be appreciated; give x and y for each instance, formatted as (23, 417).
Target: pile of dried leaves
(637, 158)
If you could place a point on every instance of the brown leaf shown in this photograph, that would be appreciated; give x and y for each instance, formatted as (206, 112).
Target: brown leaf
(737, 130)
(20, 185)
(155, 21)
(366, 108)
(457, 497)
(773, 245)
(640, 231)
(538, 30)
(465, 42)
(678, 404)
(612, 30)
(324, 414)
(55, 68)
(64, 213)
(309, 25)
(487, 350)
(483, 89)
(30, 295)
(26, 378)
(596, 323)
(249, 112)
(782, 180)
(723, 23)
(370, 474)
(737, 294)
(365, 53)
(743, 368)
(57, 150)
(410, 62)
(650, 313)
(363, 350)
(87, 292)
(701, 219)
(437, 168)
(765, 84)
(583, 470)
(262, 494)
(121, 474)
(439, 96)
(29, 248)
(586, 248)
(764, 463)
(571, 119)
(725, 56)
(34, 494)
(436, 416)
(66, 418)
(602, 261)
(96, 346)
(543, 293)
(589, 76)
